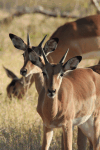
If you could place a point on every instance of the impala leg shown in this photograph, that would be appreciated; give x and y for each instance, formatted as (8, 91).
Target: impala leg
(81, 140)
(47, 137)
(96, 145)
(90, 146)
(67, 135)
(88, 129)
(62, 142)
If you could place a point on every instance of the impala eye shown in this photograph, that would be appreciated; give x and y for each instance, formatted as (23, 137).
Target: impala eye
(44, 73)
(61, 74)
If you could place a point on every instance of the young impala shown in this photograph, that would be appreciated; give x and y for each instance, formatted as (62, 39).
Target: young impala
(18, 86)
(18, 43)
(66, 102)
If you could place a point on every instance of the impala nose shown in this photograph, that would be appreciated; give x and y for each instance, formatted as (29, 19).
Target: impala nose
(51, 93)
(23, 72)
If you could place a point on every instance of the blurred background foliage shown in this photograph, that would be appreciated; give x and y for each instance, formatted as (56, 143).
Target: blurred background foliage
(83, 6)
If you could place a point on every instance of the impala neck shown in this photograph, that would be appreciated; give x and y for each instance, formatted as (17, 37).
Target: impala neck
(39, 82)
(29, 80)
(50, 107)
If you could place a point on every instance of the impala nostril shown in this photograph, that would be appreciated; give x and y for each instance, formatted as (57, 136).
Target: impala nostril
(51, 91)
(23, 72)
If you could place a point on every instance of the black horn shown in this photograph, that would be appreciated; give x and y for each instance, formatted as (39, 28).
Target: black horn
(40, 45)
(63, 58)
(44, 56)
(28, 40)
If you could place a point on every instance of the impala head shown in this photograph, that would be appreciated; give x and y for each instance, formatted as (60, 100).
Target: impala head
(28, 67)
(16, 87)
(53, 73)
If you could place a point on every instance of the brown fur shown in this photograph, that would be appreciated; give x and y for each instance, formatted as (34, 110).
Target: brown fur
(18, 86)
(76, 96)
(79, 36)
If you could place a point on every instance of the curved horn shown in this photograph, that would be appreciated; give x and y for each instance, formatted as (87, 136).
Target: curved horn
(45, 58)
(28, 40)
(40, 45)
(63, 58)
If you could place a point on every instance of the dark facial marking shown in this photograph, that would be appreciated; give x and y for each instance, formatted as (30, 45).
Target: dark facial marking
(73, 68)
(29, 50)
(44, 74)
(56, 39)
(53, 49)
(53, 65)
(33, 62)
(33, 47)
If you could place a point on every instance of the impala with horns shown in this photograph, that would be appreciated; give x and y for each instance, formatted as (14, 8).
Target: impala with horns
(20, 44)
(82, 37)
(39, 81)
(18, 86)
(68, 101)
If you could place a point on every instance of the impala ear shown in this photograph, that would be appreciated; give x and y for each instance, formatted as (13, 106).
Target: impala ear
(72, 63)
(10, 74)
(50, 45)
(18, 42)
(36, 59)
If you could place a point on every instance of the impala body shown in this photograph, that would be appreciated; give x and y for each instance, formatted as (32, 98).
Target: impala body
(69, 101)
(82, 37)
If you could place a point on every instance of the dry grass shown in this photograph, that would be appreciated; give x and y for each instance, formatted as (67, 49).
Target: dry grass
(20, 125)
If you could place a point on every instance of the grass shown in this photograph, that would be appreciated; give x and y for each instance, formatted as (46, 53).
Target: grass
(20, 125)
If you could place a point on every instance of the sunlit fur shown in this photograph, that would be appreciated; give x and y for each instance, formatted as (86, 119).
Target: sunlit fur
(75, 43)
(82, 37)
(75, 100)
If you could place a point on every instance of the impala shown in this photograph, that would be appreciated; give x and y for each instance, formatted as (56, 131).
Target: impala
(18, 86)
(19, 43)
(82, 37)
(68, 101)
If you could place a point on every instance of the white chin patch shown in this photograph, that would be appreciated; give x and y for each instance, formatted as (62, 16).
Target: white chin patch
(50, 95)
